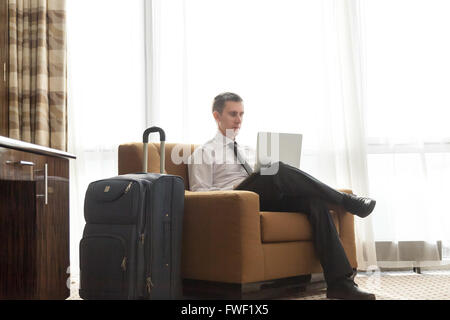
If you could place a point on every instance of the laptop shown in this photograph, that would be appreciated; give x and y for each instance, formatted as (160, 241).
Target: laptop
(272, 147)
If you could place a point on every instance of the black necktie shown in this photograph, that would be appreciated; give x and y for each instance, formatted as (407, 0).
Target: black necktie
(241, 160)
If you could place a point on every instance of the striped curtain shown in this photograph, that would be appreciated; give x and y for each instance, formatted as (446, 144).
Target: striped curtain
(38, 72)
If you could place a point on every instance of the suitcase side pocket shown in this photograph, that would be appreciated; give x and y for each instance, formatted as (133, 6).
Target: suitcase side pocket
(103, 267)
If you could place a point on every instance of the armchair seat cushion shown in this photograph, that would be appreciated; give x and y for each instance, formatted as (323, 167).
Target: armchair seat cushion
(288, 226)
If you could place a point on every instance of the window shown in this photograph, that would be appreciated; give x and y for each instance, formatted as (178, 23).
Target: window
(408, 75)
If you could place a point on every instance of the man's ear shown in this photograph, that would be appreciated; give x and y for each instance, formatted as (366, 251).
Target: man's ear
(216, 116)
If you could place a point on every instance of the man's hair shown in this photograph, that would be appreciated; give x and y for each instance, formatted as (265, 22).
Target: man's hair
(219, 101)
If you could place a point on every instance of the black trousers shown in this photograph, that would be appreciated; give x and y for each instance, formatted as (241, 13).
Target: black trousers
(292, 190)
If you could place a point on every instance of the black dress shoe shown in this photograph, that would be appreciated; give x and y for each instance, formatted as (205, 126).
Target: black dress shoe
(348, 290)
(359, 206)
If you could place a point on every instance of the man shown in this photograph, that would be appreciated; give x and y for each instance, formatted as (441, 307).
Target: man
(213, 166)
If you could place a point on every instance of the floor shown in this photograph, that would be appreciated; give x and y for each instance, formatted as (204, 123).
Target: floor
(398, 285)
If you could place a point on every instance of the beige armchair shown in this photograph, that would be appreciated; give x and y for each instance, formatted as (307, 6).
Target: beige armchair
(231, 249)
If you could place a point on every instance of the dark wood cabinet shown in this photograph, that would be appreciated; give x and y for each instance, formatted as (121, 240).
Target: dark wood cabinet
(34, 221)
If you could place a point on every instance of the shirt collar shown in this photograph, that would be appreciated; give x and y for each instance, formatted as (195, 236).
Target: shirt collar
(222, 140)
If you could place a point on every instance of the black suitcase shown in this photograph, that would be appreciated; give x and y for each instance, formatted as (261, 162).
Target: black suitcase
(131, 245)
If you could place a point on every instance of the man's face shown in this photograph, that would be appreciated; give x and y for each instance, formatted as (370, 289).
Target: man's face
(229, 122)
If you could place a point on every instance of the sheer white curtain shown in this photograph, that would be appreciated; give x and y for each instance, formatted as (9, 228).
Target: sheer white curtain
(106, 90)
(408, 75)
(296, 64)
(346, 114)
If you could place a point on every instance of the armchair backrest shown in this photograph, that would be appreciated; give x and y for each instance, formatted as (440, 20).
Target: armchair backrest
(176, 155)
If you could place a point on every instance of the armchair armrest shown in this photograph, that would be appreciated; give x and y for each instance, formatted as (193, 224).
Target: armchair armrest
(221, 237)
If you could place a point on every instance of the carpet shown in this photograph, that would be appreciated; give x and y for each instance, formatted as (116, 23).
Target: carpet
(429, 285)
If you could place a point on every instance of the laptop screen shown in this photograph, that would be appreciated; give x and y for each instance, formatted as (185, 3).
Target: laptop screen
(275, 146)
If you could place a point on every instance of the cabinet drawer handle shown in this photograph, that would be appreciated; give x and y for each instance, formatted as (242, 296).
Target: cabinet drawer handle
(45, 195)
(46, 183)
(21, 163)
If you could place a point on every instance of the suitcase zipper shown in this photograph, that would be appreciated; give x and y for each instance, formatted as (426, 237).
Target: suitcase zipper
(124, 264)
(149, 284)
(128, 187)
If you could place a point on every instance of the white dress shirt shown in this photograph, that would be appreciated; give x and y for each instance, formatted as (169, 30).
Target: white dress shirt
(213, 166)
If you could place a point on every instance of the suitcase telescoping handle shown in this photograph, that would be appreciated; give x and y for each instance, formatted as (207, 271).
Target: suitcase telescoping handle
(162, 139)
